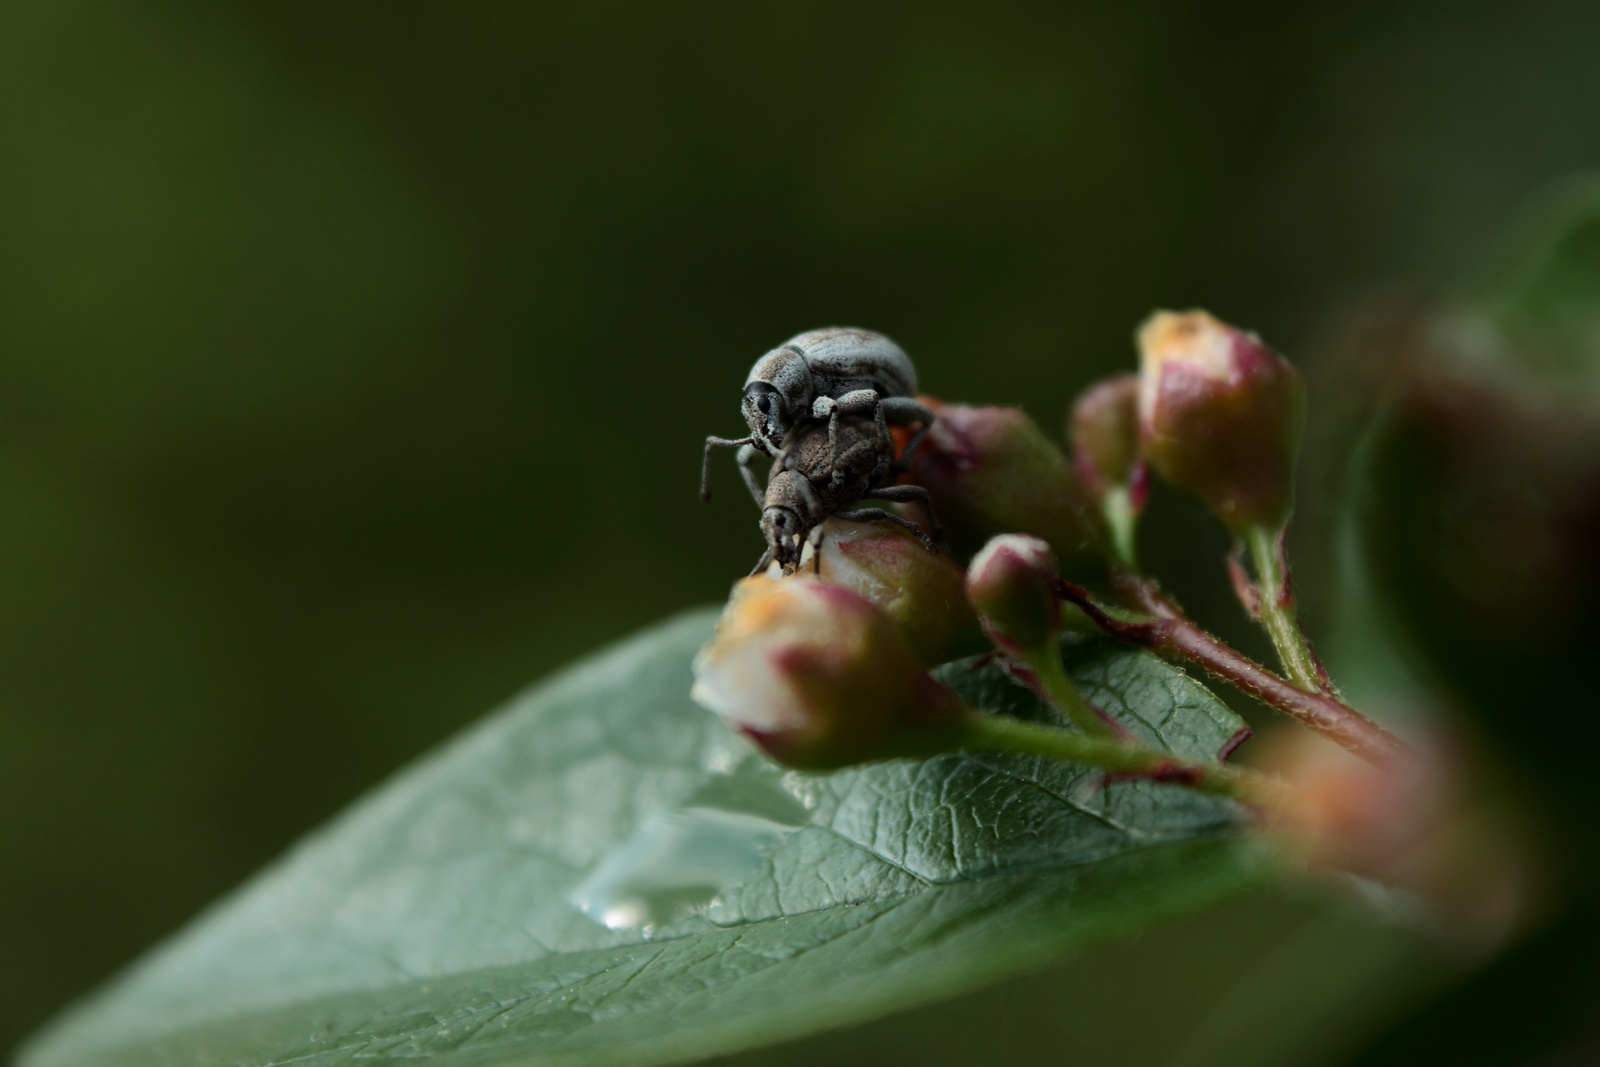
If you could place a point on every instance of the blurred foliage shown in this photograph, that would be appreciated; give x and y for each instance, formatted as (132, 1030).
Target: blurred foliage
(354, 361)
(1479, 499)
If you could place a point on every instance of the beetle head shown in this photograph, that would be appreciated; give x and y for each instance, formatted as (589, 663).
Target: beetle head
(767, 415)
(785, 532)
(784, 377)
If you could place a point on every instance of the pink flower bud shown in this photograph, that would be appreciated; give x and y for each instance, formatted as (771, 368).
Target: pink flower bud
(1419, 824)
(991, 470)
(1012, 582)
(1220, 417)
(820, 677)
(1104, 430)
(1343, 812)
(922, 591)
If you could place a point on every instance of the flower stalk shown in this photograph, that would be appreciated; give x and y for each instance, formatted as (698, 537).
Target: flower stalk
(1061, 692)
(1275, 608)
(1122, 521)
(1121, 758)
(1162, 627)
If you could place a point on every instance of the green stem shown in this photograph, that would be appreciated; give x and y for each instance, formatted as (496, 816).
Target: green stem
(999, 733)
(1062, 692)
(1122, 518)
(1278, 615)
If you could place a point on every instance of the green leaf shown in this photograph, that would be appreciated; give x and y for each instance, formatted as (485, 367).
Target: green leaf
(1548, 301)
(443, 916)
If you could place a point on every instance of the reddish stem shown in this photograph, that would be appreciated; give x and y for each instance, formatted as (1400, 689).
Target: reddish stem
(1170, 632)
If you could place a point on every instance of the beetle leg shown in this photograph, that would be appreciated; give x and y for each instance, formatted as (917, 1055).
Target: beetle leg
(808, 494)
(745, 454)
(907, 494)
(902, 410)
(766, 561)
(879, 515)
(815, 540)
(742, 443)
(908, 452)
(855, 402)
(858, 401)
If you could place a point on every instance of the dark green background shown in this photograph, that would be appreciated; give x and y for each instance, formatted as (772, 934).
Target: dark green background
(355, 359)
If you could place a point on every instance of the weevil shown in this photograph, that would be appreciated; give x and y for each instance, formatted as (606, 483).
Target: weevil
(825, 374)
(809, 484)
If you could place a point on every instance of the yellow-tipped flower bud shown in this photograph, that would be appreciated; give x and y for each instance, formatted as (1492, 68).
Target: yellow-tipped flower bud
(990, 470)
(1012, 582)
(1220, 417)
(819, 677)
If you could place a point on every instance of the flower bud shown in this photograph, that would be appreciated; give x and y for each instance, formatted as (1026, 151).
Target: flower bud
(1344, 812)
(1417, 824)
(819, 677)
(1104, 430)
(1012, 582)
(921, 590)
(990, 470)
(1220, 417)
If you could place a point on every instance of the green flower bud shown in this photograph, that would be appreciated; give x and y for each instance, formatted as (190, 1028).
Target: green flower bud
(990, 470)
(1220, 417)
(1012, 582)
(1104, 430)
(819, 677)
(921, 590)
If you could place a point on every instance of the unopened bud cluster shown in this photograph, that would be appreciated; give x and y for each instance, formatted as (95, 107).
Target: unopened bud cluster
(827, 668)
(830, 669)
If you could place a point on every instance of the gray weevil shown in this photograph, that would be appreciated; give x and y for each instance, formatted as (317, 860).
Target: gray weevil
(809, 484)
(823, 374)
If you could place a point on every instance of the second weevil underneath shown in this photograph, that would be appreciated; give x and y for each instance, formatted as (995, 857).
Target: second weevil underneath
(810, 483)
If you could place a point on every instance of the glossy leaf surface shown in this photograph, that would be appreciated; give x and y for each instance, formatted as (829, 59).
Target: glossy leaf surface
(601, 873)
